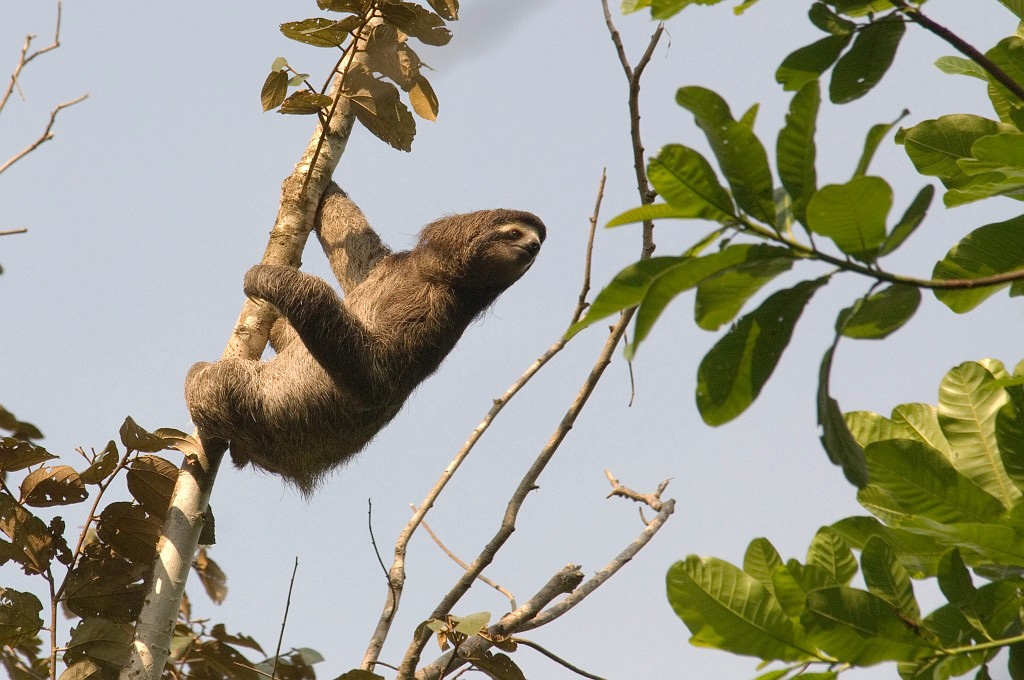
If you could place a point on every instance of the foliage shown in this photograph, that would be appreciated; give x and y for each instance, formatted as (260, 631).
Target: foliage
(101, 580)
(944, 482)
(849, 227)
(385, 27)
(945, 492)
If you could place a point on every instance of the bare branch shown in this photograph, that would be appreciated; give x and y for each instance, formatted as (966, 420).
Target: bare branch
(25, 58)
(557, 659)
(9, 232)
(284, 619)
(396, 575)
(651, 499)
(45, 137)
(455, 558)
(564, 581)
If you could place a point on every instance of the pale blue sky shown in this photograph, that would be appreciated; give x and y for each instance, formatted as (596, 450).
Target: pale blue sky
(158, 192)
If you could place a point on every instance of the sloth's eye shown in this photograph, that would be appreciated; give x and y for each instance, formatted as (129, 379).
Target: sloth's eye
(515, 234)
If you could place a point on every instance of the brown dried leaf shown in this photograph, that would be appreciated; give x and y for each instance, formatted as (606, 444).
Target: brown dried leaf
(31, 544)
(151, 481)
(17, 454)
(423, 100)
(304, 103)
(213, 578)
(418, 22)
(179, 441)
(19, 429)
(19, 616)
(321, 31)
(275, 89)
(102, 641)
(102, 465)
(137, 439)
(48, 486)
(112, 588)
(378, 107)
(129, 531)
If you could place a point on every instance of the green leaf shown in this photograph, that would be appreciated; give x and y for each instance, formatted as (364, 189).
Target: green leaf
(869, 58)
(795, 150)
(809, 62)
(829, 551)
(664, 9)
(923, 421)
(320, 31)
(747, 267)
(740, 153)
(828, 21)
(721, 296)
(871, 142)
(730, 610)
(922, 483)
(760, 560)
(840, 445)
(879, 315)
(911, 219)
(792, 581)
(860, 8)
(630, 6)
(887, 578)
(685, 180)
(935, 146)
(867, 427)
(852, 215)
(969, 400)
(626, 290)
(653, 211)
(1008, 55)
(919, 554)
(956, 584)
(996, 168)
(732, 374)
(961, 66)
(1010, 435)
(860, 628)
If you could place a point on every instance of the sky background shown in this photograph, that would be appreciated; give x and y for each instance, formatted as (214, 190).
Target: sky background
(158, 193)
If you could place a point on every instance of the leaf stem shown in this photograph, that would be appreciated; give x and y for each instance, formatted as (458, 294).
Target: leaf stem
(878, 274)
(965, 48)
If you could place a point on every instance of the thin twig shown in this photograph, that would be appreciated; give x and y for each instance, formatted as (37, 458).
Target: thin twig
(8, 232)
(585, 288)
(965, 48)
(557, 659)
(45, 137)
(598, 579)
(25, 58)
(651, 499)
(457, 560)
(284, 619)
(396, 575)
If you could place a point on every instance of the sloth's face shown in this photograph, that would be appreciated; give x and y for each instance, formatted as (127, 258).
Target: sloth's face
(510, 251)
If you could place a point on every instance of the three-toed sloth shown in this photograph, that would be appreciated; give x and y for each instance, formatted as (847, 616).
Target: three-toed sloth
(345, 365)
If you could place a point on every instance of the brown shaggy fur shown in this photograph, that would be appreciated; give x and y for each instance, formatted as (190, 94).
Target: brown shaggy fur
(350, 364)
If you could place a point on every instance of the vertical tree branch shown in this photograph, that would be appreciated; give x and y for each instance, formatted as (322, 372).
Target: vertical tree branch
(185, 518)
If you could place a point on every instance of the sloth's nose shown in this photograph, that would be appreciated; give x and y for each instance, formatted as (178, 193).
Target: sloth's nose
(533, 246)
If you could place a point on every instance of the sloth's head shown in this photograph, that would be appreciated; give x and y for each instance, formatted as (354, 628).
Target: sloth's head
(487, 250)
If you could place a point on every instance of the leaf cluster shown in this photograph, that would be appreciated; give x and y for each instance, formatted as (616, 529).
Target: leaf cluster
(945, 489)
(105, 575)
(767, 222)
(380, 30)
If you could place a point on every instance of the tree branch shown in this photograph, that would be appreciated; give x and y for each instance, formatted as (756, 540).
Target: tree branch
(185, 518)
(965, 48)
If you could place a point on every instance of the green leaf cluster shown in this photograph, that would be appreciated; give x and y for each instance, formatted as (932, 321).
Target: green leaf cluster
(945, 488)
(973, 156)
(758, 215)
